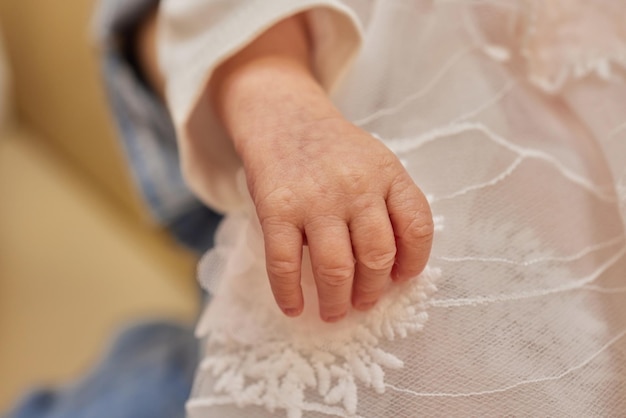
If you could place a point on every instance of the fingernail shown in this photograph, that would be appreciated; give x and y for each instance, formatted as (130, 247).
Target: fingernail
(335, 318)
(292, 311)
(395, 275)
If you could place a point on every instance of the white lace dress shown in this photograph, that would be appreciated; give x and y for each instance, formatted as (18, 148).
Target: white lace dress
(511, 116)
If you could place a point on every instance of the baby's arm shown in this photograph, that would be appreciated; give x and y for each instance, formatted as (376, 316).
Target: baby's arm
(316, 179)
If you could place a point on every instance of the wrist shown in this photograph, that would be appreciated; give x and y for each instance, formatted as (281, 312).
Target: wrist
(269, 97)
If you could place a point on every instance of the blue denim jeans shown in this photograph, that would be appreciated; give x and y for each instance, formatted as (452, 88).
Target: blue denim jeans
(147, 373)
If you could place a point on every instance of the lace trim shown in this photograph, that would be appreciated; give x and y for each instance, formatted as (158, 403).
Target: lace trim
(561, 41)
(603, 67)
(567, 40)
(256, 356)
(276, 372)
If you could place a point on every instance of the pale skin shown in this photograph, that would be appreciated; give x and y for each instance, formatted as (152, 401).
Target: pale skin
(315, 178)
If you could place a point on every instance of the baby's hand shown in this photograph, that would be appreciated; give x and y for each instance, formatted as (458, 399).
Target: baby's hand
(335, 187)
(317, 179)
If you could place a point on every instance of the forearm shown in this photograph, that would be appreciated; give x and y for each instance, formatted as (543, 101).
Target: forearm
(269, 83)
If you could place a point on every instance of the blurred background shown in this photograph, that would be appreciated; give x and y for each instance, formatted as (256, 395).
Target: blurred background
(79, 256)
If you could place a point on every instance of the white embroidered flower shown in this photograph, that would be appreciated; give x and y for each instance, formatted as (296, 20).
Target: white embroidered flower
(257, 356)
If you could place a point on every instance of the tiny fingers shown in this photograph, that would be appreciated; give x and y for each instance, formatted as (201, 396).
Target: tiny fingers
(333, 266)
(413, 227)
(283, 253)
(375, 252)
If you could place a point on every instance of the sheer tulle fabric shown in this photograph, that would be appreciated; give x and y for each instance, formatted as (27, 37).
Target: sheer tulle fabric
(522, 310)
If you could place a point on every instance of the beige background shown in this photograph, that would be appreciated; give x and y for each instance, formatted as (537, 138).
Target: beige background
(79, 257)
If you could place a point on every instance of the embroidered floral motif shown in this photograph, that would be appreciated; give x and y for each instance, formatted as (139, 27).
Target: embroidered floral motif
(278, 370)
(256, 356)
(571, 39)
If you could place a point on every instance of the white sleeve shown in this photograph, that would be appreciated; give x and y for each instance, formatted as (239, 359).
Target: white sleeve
(195, 36)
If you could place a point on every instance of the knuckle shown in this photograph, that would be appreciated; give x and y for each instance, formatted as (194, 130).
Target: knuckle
(319, 222)
(274, 223)
(420, 228)
(379, 259)
(389, 162)
(363, 205)
(284, 272)
(335, 275)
